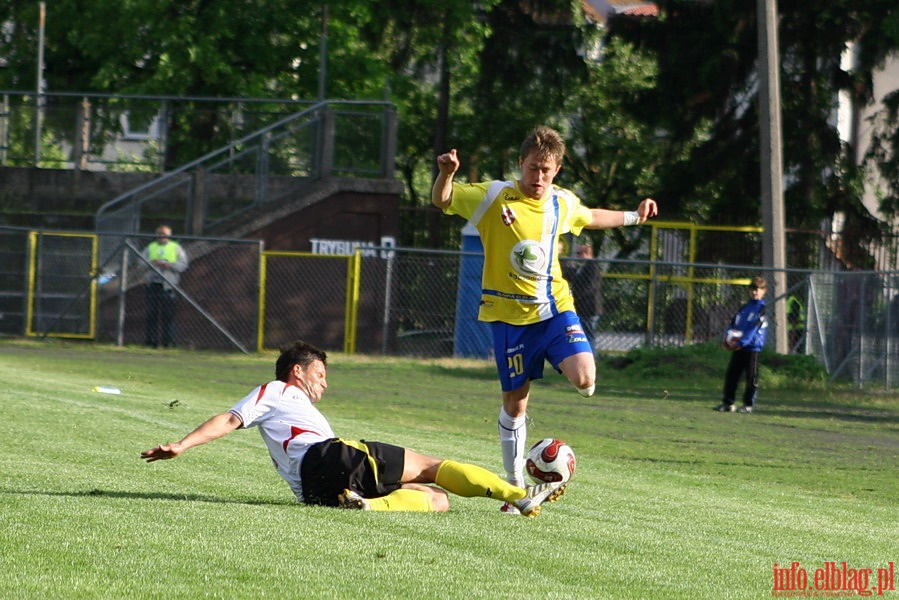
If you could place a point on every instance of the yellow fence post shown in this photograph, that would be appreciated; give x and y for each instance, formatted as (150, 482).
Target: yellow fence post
(651, 288)
(353, 288)
(33, 292)
(691, 273)
(260, 318)
(687, 282)
(32, 276)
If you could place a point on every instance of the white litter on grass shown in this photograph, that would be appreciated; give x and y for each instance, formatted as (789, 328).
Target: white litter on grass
(107, 389)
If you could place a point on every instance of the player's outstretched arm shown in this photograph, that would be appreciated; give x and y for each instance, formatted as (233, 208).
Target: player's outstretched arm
(608, 219)
(212, 429)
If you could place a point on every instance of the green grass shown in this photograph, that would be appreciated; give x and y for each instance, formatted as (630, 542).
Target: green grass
(670, 500)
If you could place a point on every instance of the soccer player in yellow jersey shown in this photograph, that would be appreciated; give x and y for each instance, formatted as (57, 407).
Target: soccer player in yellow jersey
(524, 296)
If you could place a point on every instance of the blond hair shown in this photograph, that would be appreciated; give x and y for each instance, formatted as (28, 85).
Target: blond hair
(546, 142)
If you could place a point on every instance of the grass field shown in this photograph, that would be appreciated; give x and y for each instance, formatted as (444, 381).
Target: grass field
(670, 500)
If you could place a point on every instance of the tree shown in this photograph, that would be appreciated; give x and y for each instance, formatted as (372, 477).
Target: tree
(432, 50)
(192, 49)
(614, 158)
(708, 81)
(671, 109)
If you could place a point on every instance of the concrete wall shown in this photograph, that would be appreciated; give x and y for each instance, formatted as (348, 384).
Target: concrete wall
(57, 198)
(338, 209)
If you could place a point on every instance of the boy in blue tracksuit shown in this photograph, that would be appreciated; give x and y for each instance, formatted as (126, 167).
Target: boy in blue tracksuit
(745, 337)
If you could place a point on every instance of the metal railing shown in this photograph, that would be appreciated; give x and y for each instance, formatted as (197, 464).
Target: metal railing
(327, 139)
(126, 132)
(254, 150)
(119, 132)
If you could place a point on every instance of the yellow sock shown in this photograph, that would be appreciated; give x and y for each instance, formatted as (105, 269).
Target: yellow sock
(402, 499)
(470, 480)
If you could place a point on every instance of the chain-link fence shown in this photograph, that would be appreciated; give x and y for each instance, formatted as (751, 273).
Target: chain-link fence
(305, 297)
(214, 304)
(424, 303)
(849, 320)
(852, 324)
(58, 284)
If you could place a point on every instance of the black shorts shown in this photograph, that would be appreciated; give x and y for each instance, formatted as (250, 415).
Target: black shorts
(371, 469)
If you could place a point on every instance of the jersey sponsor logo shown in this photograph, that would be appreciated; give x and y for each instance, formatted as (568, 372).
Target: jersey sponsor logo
(573, 329)
(517, 277)
(529, 259)
(574, 339)
(517, 297)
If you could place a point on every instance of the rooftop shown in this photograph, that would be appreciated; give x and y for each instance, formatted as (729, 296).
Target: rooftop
(600, 11)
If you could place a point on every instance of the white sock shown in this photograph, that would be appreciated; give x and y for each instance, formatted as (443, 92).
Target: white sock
(587, 391)
(513, 439)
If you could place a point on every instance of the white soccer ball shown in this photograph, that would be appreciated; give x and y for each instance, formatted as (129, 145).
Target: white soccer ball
(732, 335)
(550, 460)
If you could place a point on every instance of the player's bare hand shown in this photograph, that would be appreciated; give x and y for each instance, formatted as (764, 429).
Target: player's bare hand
(163, 452)
(448, 163)
(647, 209)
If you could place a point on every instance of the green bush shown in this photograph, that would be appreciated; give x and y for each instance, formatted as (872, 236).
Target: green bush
(701, 361)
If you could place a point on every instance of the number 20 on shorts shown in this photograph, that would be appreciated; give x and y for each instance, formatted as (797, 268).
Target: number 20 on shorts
(516, 364)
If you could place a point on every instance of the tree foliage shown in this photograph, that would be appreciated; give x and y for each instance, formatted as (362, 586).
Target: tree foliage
(614, 157)
(708, 81)
(670, 109)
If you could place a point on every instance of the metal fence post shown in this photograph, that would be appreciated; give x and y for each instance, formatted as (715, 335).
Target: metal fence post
(326, 156)
(196, 208)
(4, 128)
(123, 286)
(262, 169)
(81, 148)
(388, 293)
(388, 150)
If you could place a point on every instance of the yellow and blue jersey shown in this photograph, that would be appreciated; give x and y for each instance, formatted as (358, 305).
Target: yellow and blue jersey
(522, 281)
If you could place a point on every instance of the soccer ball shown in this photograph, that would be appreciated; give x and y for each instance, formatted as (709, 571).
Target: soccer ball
(732, 338)
(550, 460)
(733, 335)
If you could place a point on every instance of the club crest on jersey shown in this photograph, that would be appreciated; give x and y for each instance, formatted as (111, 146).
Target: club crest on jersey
(529, 258)
(508, 215)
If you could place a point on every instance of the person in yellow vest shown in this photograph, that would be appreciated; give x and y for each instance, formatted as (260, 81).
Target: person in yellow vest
(169, 261)
(796, 323)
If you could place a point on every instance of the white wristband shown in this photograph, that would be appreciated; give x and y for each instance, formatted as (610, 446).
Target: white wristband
(631, 217)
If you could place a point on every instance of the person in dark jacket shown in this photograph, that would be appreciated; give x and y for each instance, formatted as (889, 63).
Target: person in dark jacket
(584, 279)
(745, 338)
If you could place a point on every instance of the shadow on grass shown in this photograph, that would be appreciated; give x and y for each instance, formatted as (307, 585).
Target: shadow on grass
(155, 496)
(479, 373)
(830, 413)
(780, 403)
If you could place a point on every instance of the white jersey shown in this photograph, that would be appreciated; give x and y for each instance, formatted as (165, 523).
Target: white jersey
(288, 422)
